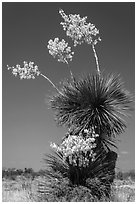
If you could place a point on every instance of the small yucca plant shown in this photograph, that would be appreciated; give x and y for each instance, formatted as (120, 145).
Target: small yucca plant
(61, 178)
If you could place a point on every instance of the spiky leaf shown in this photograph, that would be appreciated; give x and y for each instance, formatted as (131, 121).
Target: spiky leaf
(93, 100)
(97, 177)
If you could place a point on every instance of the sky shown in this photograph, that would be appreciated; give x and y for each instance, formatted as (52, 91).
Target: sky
(28, 124)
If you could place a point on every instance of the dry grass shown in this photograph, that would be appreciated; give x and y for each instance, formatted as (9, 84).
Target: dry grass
(124, 191)
(20, 190)
(25, 190)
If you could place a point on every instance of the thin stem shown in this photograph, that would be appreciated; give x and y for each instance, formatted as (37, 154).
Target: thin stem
(96, 58)
(50, 82)
(71, 74)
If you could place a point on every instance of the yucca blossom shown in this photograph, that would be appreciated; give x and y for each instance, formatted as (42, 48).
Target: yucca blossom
(61, 51)
(78, 150)
(29, 71)
(80, 31)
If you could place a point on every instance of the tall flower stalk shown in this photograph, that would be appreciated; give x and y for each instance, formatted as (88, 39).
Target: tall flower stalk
(96, 58)
(71, 74)
(51, 82)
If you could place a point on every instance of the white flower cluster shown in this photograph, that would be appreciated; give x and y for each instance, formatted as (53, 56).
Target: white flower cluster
(78, 150)
(90, 132)
(28, 71)
(60, 49)
(78, 29)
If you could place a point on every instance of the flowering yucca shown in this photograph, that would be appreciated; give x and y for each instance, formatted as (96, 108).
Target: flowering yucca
(60, 49)
(78, 29)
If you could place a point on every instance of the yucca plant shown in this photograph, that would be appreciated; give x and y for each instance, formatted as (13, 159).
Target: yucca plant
(98, 102)
(93, 100)
(92, 108)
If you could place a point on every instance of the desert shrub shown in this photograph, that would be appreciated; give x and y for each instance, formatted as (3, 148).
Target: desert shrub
(130, 174)
(119, 175)
(126, 175)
